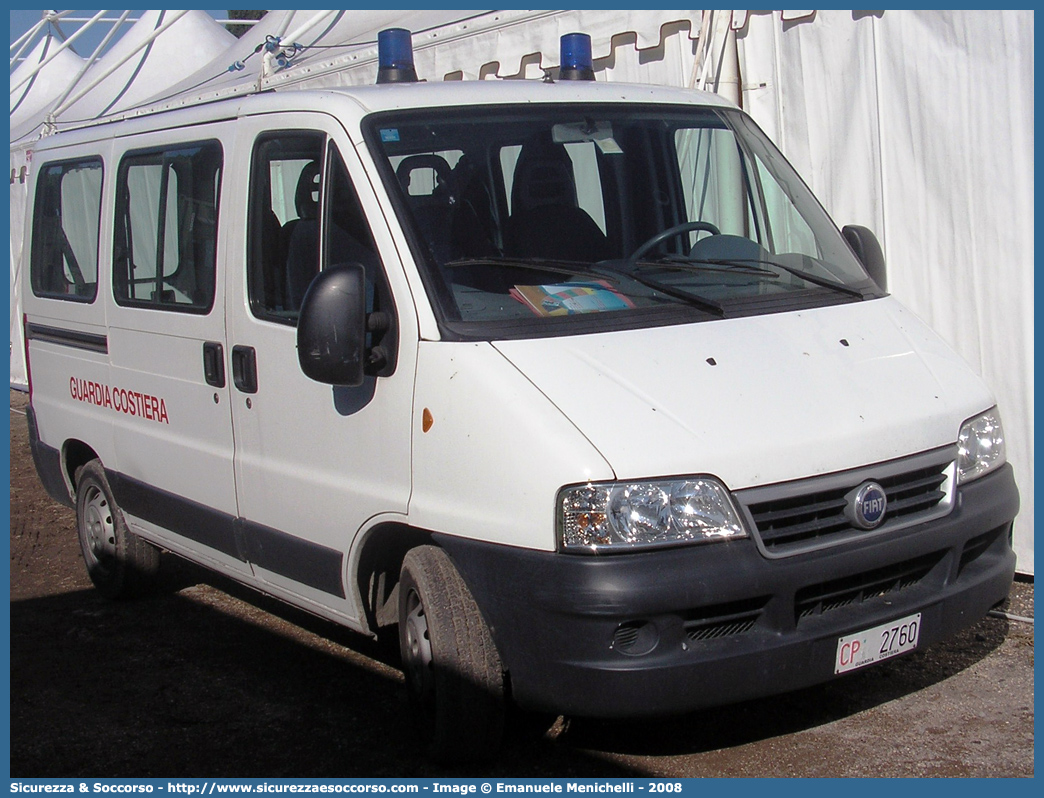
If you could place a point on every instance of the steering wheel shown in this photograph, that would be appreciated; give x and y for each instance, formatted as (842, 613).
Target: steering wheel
(671, 232)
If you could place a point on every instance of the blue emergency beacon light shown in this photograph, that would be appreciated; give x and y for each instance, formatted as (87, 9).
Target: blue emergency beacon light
(576, 61)
(395, 56)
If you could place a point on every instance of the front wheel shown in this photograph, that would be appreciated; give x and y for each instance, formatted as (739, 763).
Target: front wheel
(119, 563)
(453, 672)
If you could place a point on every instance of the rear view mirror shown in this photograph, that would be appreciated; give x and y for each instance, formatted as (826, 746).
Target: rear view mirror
(331, 330)
(865, 246)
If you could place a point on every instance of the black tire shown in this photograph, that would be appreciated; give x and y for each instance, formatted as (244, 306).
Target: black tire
(119, 563)
(453, 672)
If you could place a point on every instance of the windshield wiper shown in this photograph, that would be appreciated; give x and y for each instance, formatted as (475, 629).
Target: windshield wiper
(747, 264)
(688, 297)
(707, 265)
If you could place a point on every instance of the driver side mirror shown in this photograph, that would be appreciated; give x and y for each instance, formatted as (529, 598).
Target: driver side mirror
(865, 246)
(331, 330)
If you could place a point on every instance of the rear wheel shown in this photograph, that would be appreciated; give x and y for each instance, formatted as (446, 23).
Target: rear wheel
(453, 672)
(119, 563)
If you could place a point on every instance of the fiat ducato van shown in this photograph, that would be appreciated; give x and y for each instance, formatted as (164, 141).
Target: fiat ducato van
(575, 385)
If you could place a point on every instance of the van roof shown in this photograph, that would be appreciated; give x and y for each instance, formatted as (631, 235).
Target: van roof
(367, 99)
(397, 96)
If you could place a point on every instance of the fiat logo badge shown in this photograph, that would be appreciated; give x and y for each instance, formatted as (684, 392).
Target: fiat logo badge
(867, 505)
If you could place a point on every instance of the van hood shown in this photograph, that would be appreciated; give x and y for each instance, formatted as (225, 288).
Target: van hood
(762, 399)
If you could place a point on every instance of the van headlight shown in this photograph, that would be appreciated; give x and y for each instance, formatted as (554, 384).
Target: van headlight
(629, 515)
(980, 446)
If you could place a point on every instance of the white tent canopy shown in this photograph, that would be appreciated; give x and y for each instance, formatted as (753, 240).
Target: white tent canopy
(917, 124)
(138, 66)
(141, 72)
(55, 74)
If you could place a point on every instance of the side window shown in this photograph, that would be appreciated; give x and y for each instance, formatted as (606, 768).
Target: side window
(283, 227)
(347, 239)
(347, 236)
(66, 219)
(165, 247)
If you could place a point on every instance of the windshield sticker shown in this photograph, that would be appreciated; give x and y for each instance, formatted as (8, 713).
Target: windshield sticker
(389, 134)
(566, 299)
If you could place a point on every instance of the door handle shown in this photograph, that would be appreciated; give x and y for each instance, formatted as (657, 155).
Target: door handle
(214, 364)
(244, 368)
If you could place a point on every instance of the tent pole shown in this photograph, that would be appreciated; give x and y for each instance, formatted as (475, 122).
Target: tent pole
(303, 29)
(727, 81)
(54, 18)
(702, 43)
(269, 57)
(22, 41)
(94, 57)
(64, 45)
(141, 46)
(287, 19)
(21, 50)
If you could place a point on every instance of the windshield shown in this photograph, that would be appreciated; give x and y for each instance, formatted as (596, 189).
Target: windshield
(544, 220)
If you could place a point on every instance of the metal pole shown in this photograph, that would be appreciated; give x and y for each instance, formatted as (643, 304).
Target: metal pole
(303, 29)
(67, 43)
(285, 23)
(21, 40)
(141, 46)
(94, 57)
(269, 58)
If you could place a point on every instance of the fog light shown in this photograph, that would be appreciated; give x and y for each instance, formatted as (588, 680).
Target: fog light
(635, 638)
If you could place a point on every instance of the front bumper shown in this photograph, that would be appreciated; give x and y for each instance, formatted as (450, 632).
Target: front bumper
(665, 632)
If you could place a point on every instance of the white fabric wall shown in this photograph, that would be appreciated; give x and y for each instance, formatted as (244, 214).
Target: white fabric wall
(516, 44)
(19, 378)
(916, 124)
(919, 125)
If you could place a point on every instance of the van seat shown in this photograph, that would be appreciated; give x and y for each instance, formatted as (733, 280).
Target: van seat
(433, 212)
(300, 237)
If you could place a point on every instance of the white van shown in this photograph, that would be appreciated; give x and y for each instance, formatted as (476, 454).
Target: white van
(575, 383)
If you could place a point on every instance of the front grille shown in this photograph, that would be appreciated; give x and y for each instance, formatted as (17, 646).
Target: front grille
(838, 593)
(718, 630)
(812, 513)
(977, 546)
(723, 620)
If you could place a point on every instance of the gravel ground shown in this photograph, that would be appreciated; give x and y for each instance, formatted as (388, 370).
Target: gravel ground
(207, 678)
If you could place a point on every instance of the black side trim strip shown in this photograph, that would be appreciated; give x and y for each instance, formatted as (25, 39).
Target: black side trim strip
(74, 338)
(305, 562)
(187, 518)
(48, 462)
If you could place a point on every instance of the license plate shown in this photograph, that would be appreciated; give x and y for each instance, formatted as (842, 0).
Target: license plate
(874, 645)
